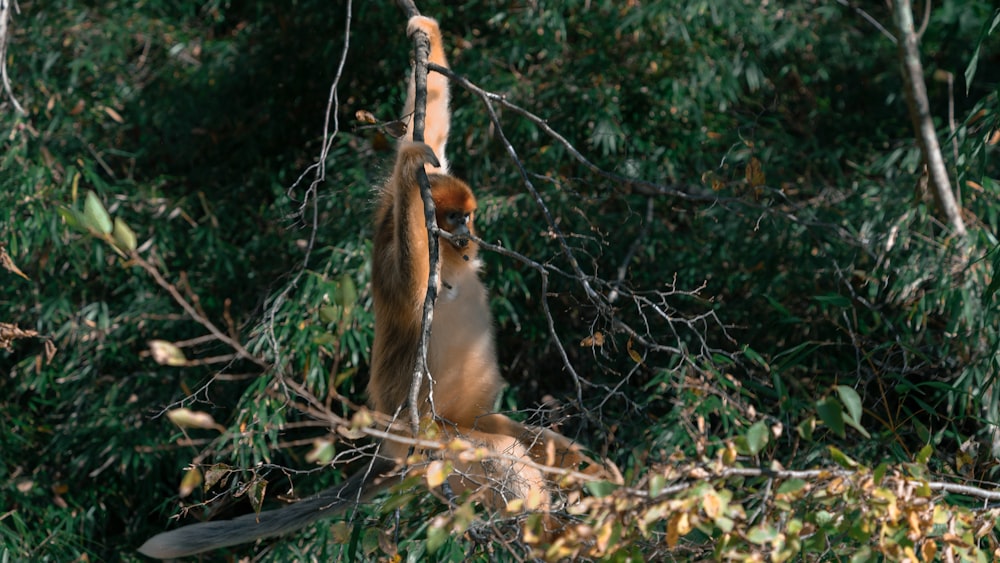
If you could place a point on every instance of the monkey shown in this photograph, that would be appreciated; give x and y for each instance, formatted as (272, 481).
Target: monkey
(461, 355)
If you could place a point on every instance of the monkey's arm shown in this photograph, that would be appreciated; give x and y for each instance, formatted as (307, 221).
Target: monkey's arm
(409, 274)
(196, 538)
(438, 119)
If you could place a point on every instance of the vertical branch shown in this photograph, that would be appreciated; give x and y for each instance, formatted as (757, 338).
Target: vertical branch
(916, 98)
(422, 49)
(5, 6)
(409, 7)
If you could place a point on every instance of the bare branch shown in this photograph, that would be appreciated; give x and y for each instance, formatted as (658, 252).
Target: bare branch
(409, 7)
(5, 7)
(421, 51)
(915, 91)
(237, 347)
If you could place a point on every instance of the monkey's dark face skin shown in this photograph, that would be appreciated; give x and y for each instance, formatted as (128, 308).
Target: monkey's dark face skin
(459, 225)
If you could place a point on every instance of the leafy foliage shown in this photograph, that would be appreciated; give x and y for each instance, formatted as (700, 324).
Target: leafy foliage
(790, 356)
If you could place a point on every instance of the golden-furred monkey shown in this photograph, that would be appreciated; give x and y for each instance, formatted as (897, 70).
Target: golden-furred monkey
(461, 355)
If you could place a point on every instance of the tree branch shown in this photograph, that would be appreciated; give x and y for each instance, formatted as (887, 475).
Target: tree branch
(421, 52)
(915, 91)
(5, 6)
(409, 7)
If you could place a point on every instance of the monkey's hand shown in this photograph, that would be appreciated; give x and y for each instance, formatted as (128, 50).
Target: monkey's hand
(413, 156)
(425, 24)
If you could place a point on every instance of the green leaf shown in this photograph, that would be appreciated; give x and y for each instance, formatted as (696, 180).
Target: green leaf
(995, 281)
(970, 70)
(924, 454)
(832, 415)
(601, 488)
(851, 400)
(95, 215)
(74, 219)
(863, 555)
(756, 358)
(329, 314)
(857, 427)
(656, 484)
(841, 459)
(437, 534)
(757, 436)
(322, 452)
(124, 236)
(805, 428)
(879, 473)
(791, 486)
(347, 294)
(762, 534)
(369, 543)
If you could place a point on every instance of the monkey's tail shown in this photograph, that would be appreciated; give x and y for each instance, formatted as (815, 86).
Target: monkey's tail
(196, 538)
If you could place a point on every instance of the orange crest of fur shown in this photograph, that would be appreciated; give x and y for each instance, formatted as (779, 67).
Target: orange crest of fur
(451, 194)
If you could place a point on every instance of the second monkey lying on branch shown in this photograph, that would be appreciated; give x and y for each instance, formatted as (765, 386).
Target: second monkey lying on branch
(461, 355)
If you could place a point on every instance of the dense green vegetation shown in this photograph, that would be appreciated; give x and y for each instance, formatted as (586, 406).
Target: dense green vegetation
(773, 287)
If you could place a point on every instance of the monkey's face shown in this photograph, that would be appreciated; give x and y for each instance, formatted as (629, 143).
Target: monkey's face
(459, 224)
(455, 207)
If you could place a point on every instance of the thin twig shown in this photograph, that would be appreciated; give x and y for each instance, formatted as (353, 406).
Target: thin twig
(193, 313)
(870, 19)
(632, 249)
(682, 191)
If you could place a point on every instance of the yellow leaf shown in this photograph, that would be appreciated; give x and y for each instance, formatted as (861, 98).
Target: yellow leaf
(341, 532)
(365, 116)
(114, 115)
(166, 354)
(604, 534)
(190, 482)
(711, 504)
(595, 340)
(362, 419)
(928, 550)
(673, 531)
(754, 173)
(632, 353)
(187, 418)
(536, 497)
(515, 506)
(437, 471)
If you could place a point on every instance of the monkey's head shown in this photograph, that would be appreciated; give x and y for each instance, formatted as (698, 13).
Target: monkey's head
(455, 208)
